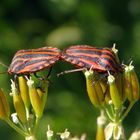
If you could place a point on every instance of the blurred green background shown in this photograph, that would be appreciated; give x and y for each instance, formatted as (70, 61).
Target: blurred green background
(37, 23)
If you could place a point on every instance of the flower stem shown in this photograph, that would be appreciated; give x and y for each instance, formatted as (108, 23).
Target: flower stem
(127, 111)
(108, 115)
(36, 124)
(16, 128)
(31, 137)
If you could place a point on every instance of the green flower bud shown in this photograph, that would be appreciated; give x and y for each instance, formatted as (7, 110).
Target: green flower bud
(135, 85)
(131, 84)
(94, 89)
(40, 92)
(99, 91)
(127, 83)
(107, 96)
(101, 121)
(19, 107)
(114, 93)
(24, 91)
(43, 96)
(119, 83)
(35, 98)
(18, 103)
(100, 133)
(105, 89)
(103, 85)
(4, 106)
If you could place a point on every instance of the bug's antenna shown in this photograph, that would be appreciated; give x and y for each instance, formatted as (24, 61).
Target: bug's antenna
(4, 65)
(70, 71)
(3, 72)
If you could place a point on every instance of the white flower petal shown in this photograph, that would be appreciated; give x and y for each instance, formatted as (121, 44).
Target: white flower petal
(109, 131)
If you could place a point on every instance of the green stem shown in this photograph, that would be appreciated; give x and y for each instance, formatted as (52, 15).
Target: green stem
(20, 124)
(109, 115)
(27, 112)
(117, 115)
(36, 124)
(16, 128)
(127, 111)
(49, 138)
(112, 110)
(31, 137)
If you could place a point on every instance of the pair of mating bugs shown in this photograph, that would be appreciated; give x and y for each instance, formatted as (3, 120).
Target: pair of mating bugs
(29, 61)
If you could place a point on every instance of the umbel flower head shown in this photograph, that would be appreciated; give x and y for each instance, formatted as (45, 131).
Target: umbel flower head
(29, 103)
(115, 87)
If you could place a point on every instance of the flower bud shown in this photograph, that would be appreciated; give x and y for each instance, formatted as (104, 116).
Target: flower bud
(4, 106)
(118, 132)
(43, 95)
(135, 85)
(94, 89)
(114, 93)
(135, 135)
(15, 118)
(19, 107)
(119, 84)
(101, 121)
(114, 130)
(64, 135)
(18, 103)
(35, 98)
(131, 84)
(40, 92)
(24, 92)
(105, 89)
(99, 91)
(100, 133)
(127, 83)
(49, 133)
(103, 84)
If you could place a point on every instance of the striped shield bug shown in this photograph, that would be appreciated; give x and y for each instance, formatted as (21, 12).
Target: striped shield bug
(33, 60)
(100, 60)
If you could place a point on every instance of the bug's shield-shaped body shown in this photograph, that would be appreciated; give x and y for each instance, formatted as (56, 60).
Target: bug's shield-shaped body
(33, 60)
(84, 56)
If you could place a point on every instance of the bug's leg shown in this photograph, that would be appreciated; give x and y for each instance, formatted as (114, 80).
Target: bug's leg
(16, 78)
(16, 81)
(91, 68)
(47, 77)
(35, 74)
(38, 77)
(71, 71)
(49, 73)
(43, 77)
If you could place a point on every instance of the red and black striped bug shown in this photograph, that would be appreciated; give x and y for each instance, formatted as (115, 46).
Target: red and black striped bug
(33, 60)
(100, 60)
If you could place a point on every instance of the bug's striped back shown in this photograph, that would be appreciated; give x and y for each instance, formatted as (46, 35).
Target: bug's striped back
(100, 59)
(33, 60)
